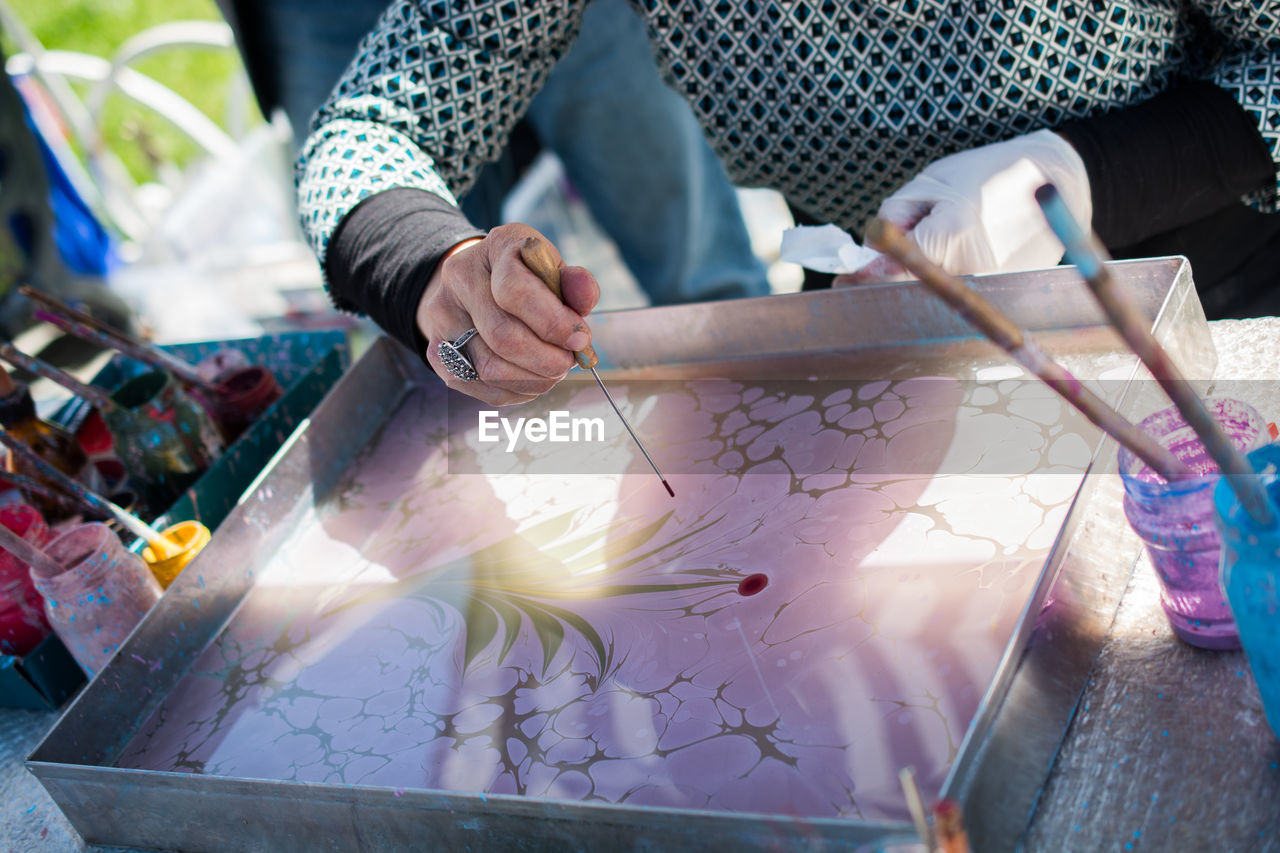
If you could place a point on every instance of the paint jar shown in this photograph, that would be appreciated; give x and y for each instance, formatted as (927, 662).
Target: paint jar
(1175, 520)
(164, 438)
(189, 538)
(244, 393)
(51, 443)
(22, 621)
(112, 473)
(102, 592)
(1251, 578)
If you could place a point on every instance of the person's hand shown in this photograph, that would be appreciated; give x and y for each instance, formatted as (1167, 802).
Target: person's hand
(525, 336)
(975, 212)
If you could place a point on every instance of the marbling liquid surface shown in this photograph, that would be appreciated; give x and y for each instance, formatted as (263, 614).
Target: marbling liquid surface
(583, 637)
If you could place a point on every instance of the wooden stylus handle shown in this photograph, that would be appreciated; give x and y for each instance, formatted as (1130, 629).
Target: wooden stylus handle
(537, 257)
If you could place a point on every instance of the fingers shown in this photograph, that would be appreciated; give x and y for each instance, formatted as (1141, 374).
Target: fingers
(913, 203)
(525, 334)
(952, 237)
(478, 389)
(524, 323)
(513, 384)
(906, 207)
(500, 372)
(579, 290)
(514, 351)
(883, 268)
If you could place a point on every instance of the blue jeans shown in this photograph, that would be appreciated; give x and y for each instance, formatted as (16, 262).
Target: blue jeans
(638, 157)
(630, 145)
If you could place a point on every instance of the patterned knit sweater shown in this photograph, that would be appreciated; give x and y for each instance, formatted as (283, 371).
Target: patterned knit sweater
(835, 103)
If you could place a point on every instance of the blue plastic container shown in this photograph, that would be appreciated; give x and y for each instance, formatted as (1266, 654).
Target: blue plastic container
(1251, 578)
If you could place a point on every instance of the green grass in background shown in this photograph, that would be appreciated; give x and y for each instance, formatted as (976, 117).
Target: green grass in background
(202, 76)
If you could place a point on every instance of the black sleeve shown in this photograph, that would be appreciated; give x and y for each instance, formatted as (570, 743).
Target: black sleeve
(384, 251)
(1186, 153)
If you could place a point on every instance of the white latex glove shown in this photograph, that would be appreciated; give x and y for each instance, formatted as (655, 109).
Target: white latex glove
(975, 211)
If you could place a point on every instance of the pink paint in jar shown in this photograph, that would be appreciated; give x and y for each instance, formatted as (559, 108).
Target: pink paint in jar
(100, 595)
(22, 621)
(1175, 520)
(244, 394)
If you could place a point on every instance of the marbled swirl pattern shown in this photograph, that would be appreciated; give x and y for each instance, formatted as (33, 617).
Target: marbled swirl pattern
(582, 636)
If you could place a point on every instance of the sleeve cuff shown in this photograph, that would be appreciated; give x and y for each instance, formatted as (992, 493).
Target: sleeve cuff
(1184, 154)
(384, 251)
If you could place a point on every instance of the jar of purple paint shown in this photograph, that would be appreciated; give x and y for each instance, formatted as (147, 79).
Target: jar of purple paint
(1175, 520)
(102, 592)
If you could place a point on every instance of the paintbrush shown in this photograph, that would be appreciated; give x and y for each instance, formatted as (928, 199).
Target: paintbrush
(28, 553)
(34, 487)
(160, 544)
(1088, 255)
(96, 396)
(538, 258)
(890, 239)
(88, 328)
(915, 804)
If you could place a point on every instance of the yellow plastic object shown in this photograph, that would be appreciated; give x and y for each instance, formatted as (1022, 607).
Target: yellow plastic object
(189, 537)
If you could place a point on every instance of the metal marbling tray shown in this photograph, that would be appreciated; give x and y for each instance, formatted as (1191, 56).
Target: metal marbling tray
(881, 554)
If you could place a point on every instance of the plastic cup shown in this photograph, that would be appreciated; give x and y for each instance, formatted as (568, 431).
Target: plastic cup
(1251, 578)
(1175, 521)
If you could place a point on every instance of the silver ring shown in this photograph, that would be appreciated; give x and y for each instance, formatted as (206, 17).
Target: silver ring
(454, 358)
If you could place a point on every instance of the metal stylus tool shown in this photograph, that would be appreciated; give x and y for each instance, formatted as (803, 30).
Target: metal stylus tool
(536, 257)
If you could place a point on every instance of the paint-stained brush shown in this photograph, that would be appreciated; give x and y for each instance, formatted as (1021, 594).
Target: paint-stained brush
(95, 396)
(1088, 255)
(891, 240)
(32, 487)
(162, 546)
(915, 805)
(538, 258)
(86, 327)
(28, 553)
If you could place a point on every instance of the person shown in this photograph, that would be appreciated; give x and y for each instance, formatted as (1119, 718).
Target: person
(48, 237)
(1152, 118)
(674, 217)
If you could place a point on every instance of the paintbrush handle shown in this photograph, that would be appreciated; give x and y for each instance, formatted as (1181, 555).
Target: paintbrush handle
(1085, 251)
(129, 521)
(28, 553)
(56, 475)
(889, 239)
(915, 805)
(89, 328)
(33, 487)
(537, 257)
(96, 396)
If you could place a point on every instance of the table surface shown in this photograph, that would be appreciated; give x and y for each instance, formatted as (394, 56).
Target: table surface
(1169, 749)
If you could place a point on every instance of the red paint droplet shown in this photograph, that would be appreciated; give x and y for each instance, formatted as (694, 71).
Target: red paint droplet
(1273, 431)
(752, 584)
